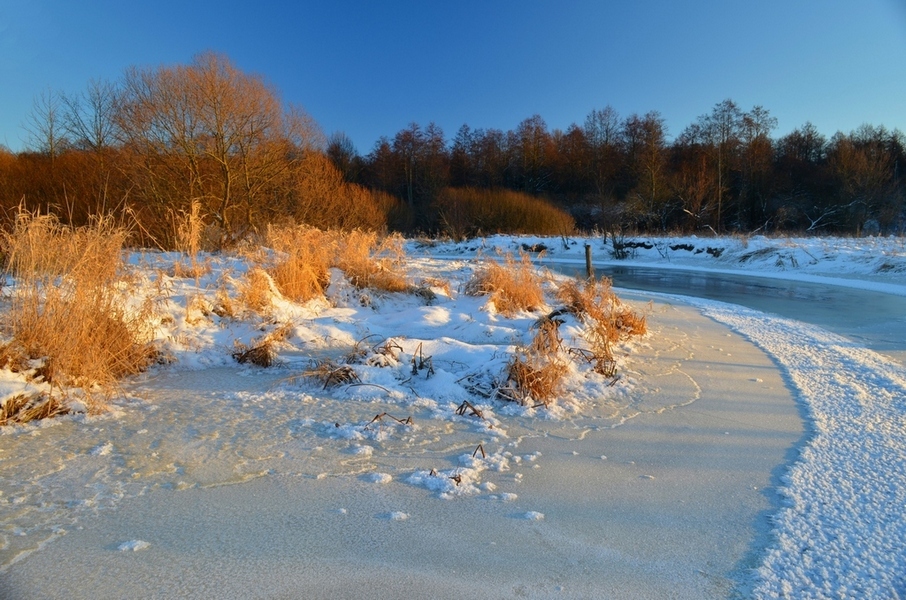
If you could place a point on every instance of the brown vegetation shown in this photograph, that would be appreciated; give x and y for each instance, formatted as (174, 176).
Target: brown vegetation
(536, 372)
(372, 262)
(467, 212)
(303, 256)
(606, 319)
(66, 312)
(513, 286)
(199, 155)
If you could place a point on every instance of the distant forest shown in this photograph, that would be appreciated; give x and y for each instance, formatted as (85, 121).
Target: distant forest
(208, 138)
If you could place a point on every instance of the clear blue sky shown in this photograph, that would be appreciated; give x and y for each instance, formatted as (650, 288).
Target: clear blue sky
(371, 68)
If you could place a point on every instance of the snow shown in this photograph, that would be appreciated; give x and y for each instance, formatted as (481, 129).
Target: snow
(815, 439)
(133, 546)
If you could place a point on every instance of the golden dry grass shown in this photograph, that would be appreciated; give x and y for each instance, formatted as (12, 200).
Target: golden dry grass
(262, 352)
(67, 309)
(372, 262)
(23, 408)
(257, 291)
(536, 378)
(303, 256)
(606, 319)
(535, 372)
(300, 269)
(513, 286)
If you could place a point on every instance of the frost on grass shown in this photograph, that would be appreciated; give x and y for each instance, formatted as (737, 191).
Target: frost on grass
(465, 480)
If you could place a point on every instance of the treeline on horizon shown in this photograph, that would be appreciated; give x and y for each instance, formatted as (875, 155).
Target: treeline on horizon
(207, 139)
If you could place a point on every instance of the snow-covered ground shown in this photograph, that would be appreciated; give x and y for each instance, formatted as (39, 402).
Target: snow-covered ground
(831, 524)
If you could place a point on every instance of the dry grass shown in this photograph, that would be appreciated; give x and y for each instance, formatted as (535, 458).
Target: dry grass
(606, 319)
(67, 309)
(370, 262)
(23, 408)
(466, 212)
(513, 286)
(257, 291)
(535, 372)
(263, 351)
(190, 228)
(301, 269)
(303, 257)
(194, 270)
(535, 378)
(330, 374)
(189, 233)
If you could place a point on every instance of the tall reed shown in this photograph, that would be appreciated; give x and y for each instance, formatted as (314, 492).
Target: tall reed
(68, 307)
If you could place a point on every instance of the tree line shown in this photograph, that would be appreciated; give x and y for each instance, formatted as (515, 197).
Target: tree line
(722, 173)
(207, 139)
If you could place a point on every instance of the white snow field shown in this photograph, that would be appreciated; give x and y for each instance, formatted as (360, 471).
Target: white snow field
(740, 453)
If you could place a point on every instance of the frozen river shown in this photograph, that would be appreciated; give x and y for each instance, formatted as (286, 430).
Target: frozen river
(875, 320)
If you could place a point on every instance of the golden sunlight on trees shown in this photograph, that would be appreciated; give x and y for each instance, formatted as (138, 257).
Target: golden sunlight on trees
(207, 132)
(210, 139)
(466, 212)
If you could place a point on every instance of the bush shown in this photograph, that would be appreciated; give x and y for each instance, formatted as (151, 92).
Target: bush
(467, 212)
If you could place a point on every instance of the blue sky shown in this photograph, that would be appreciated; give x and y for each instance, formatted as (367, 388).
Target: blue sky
(371, 68)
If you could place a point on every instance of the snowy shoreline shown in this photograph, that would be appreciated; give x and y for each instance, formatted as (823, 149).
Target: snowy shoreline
(843, 493)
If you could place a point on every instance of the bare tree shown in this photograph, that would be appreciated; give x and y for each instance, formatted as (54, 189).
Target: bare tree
(341, 151)
(722, 129)
(645, 139)
(407, 144)
(89, 116)
(602, 133)
(44, 124)
(211, 133)
(531, 144)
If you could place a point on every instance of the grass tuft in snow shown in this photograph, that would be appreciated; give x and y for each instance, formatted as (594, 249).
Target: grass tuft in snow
(535, 372)
(373, 263)
(513, 286)
(69, 312)
(262, 352)
(23, 408)
(605, 318)
(303, 256)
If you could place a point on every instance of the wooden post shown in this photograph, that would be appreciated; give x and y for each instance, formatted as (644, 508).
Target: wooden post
(589, 270)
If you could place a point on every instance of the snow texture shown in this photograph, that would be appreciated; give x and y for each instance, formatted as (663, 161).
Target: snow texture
(839, 533)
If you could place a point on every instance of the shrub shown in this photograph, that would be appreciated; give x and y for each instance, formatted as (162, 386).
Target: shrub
(320, 198)
(466, 212)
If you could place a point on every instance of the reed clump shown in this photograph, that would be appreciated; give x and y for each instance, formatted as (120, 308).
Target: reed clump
(372, 262)
(257, 291)
(513, 285)
(69, 312)
(23, 408)
(302, 259)
(535, 372)
(606, 320)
